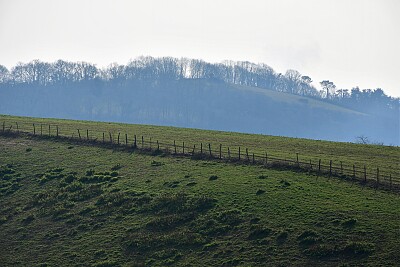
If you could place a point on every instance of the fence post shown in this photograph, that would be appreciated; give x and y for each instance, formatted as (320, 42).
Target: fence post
(17, 127)
(135, 142)
(194, 148)
(158, 146)
(201, 148)
(49, 130)
(41, 129)
(297, 159)
(377, 175)
(247, 154)
(87, 134)
(390, 180)
(253, 159)
(103, 137)
(310, 165)
(319, 166)
(183, 148)
(57, 129)
(209, 149)
(341, 168)
(266, 158)
(79, 134)
(150, 143)
(365, 173)
(34, 129)
(142, 142)
(229, 153)
(220, 151)
(110, 137)
(239, 153)
(118, 137)
(330, 168)
(174, 146)
(126, 139)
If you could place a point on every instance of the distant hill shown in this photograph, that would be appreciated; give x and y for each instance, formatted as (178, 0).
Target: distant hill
(199, 103)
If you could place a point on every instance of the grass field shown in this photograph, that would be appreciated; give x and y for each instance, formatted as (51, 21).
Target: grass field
(372, 156)
(67, 204)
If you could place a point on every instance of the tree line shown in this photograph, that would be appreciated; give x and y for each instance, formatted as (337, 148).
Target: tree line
(161, 69)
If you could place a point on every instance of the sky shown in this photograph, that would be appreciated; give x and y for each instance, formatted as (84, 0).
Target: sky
(349, 42)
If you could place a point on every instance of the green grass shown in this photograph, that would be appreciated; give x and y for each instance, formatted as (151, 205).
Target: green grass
(66, 204)
(372, 156)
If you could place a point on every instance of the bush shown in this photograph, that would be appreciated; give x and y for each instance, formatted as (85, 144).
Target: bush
(259, 233)
(213, 177)
(358, 248)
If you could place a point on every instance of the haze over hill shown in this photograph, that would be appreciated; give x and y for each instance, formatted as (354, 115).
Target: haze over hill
(230, 96)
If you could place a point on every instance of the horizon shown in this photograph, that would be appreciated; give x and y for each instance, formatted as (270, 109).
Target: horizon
(351, 44)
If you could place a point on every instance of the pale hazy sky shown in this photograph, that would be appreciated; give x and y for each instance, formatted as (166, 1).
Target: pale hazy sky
(350, 42)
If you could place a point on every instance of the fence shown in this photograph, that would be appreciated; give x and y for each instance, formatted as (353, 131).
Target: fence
(376, 177)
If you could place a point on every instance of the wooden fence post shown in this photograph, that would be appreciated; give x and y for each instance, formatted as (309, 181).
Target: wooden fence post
(110, 137)
(377, 175)
(229, 153)
(341, 168)
(41, 129)
(247, 154)
(239, 153)
(103, 138)
(330, 168)
(266, 158)
(201, 148)
(253, 159)
(194, 148)
(49, 130)
(365, 173)
(209, 149)
(183, 148)
(17, 127)
(220, 151)
(297, 159)
(174, 147)
(142, 141)
(118, 137)
(135, 142)
(57, 129)
(319, 166)
(79, 134)
(34, 129)
(158, 146)
(87, 134)
(126, 139)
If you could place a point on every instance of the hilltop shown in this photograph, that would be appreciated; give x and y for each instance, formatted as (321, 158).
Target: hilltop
(231, 96)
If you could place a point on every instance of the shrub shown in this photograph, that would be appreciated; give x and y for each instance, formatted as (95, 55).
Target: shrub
(358, 248)
(213, 177)
(259, 233)
(116, 167)
(349, 223)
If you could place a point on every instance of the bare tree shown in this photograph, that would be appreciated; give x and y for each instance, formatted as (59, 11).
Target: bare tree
(329, 87)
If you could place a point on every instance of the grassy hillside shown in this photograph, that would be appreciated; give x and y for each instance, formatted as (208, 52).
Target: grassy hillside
(372, 156)
(80, 205)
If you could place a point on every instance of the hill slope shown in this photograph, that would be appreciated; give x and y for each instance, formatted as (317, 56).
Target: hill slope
(204, 104)
(62, 203)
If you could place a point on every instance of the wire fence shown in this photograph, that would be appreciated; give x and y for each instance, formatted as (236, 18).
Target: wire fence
(376, 177)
